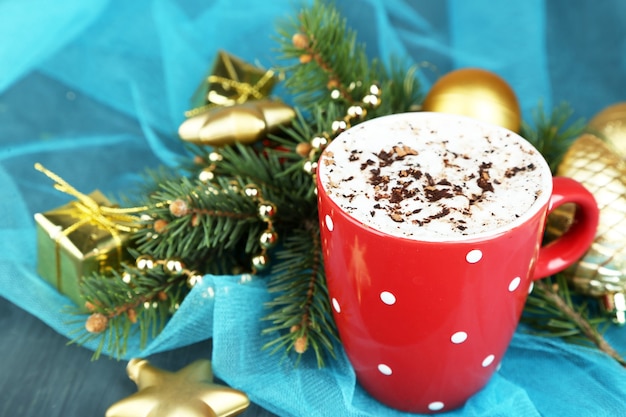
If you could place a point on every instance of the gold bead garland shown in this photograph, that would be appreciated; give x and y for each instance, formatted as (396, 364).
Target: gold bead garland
(266, 210)
(268, 238)
(98, 322)
(207, 173)
(354, 112)
(172, 266)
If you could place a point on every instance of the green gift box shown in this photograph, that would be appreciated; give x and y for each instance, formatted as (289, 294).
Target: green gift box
(77, 240)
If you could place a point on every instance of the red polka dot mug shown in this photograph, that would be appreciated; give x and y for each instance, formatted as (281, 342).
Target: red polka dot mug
(431, 228)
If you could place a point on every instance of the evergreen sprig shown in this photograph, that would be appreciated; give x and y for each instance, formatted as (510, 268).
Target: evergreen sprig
(553, 133)
(552, 310)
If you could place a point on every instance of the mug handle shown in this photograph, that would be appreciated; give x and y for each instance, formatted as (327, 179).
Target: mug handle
(572, 245)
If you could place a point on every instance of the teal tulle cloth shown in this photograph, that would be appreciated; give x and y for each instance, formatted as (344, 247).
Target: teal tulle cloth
(96, 90)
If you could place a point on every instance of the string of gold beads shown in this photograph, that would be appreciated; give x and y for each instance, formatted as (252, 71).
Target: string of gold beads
(173, 266)
(268, 238)
(355, 112)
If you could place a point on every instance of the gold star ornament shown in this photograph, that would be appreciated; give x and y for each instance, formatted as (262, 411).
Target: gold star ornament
(190, 392)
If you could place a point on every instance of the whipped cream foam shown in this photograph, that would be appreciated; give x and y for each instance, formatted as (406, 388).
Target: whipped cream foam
(432, 176)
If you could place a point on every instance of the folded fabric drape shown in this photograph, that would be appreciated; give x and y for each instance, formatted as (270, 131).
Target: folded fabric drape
(96, 91)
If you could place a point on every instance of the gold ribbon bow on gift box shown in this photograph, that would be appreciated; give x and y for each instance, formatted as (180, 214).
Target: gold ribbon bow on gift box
(85, 236)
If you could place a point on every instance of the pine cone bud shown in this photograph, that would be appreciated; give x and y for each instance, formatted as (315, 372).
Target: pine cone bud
(300, 40)
(303, 149)
(132, 315)
(301, 344)
(195, 220)
(333, 83)
(305, 58)
(159, 225)
(179, 208)
(96, 323)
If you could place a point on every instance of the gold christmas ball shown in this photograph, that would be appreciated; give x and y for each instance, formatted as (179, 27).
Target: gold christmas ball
(475, 93)
(610, 123)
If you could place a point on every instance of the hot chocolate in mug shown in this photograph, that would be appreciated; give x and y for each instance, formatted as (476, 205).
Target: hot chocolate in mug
(431, 228)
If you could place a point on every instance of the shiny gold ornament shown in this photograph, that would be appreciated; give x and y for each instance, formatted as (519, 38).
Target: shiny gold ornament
(310, 167)
(206, 174)
(253, 191)
(260, 262)
(144, 262)
(194, 279)
(173, 266)
(190, 392)
(602, 270)
(475, 93)
(267, 211)
(242, 123)
(610, 123)
(268, 239)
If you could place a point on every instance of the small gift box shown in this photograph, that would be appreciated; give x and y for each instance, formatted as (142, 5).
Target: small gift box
(72, 243)
(88, 235)
(231, 81)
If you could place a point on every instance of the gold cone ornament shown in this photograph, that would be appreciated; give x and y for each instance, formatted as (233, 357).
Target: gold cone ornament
(476, 93)
(190, 392)
(241, 123)
(610, 124)
(601, 272)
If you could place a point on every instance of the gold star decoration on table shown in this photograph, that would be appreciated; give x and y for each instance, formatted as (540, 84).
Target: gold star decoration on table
(190, 392)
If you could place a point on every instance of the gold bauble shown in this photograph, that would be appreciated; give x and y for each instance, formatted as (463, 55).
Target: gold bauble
(189, 392)
(475, 93)
(610, 123)
(601, 272)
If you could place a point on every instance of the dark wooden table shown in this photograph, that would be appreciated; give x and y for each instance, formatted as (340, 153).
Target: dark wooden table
(41, 376)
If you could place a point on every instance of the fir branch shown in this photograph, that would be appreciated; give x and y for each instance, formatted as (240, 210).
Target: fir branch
(301, 308)
(552, 311)
(146, 297)
(212, 217)
(329, 60)
(553, 134)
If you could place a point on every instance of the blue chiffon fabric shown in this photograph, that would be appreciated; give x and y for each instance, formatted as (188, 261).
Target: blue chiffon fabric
(95, 91)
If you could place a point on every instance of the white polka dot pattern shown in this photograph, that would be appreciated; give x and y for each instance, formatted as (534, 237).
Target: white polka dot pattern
(458, 337)
(514, 283)
(488, 360)
(474, 256)
(329, 223)
(384, 369)
(388, 298)
(436, 406)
